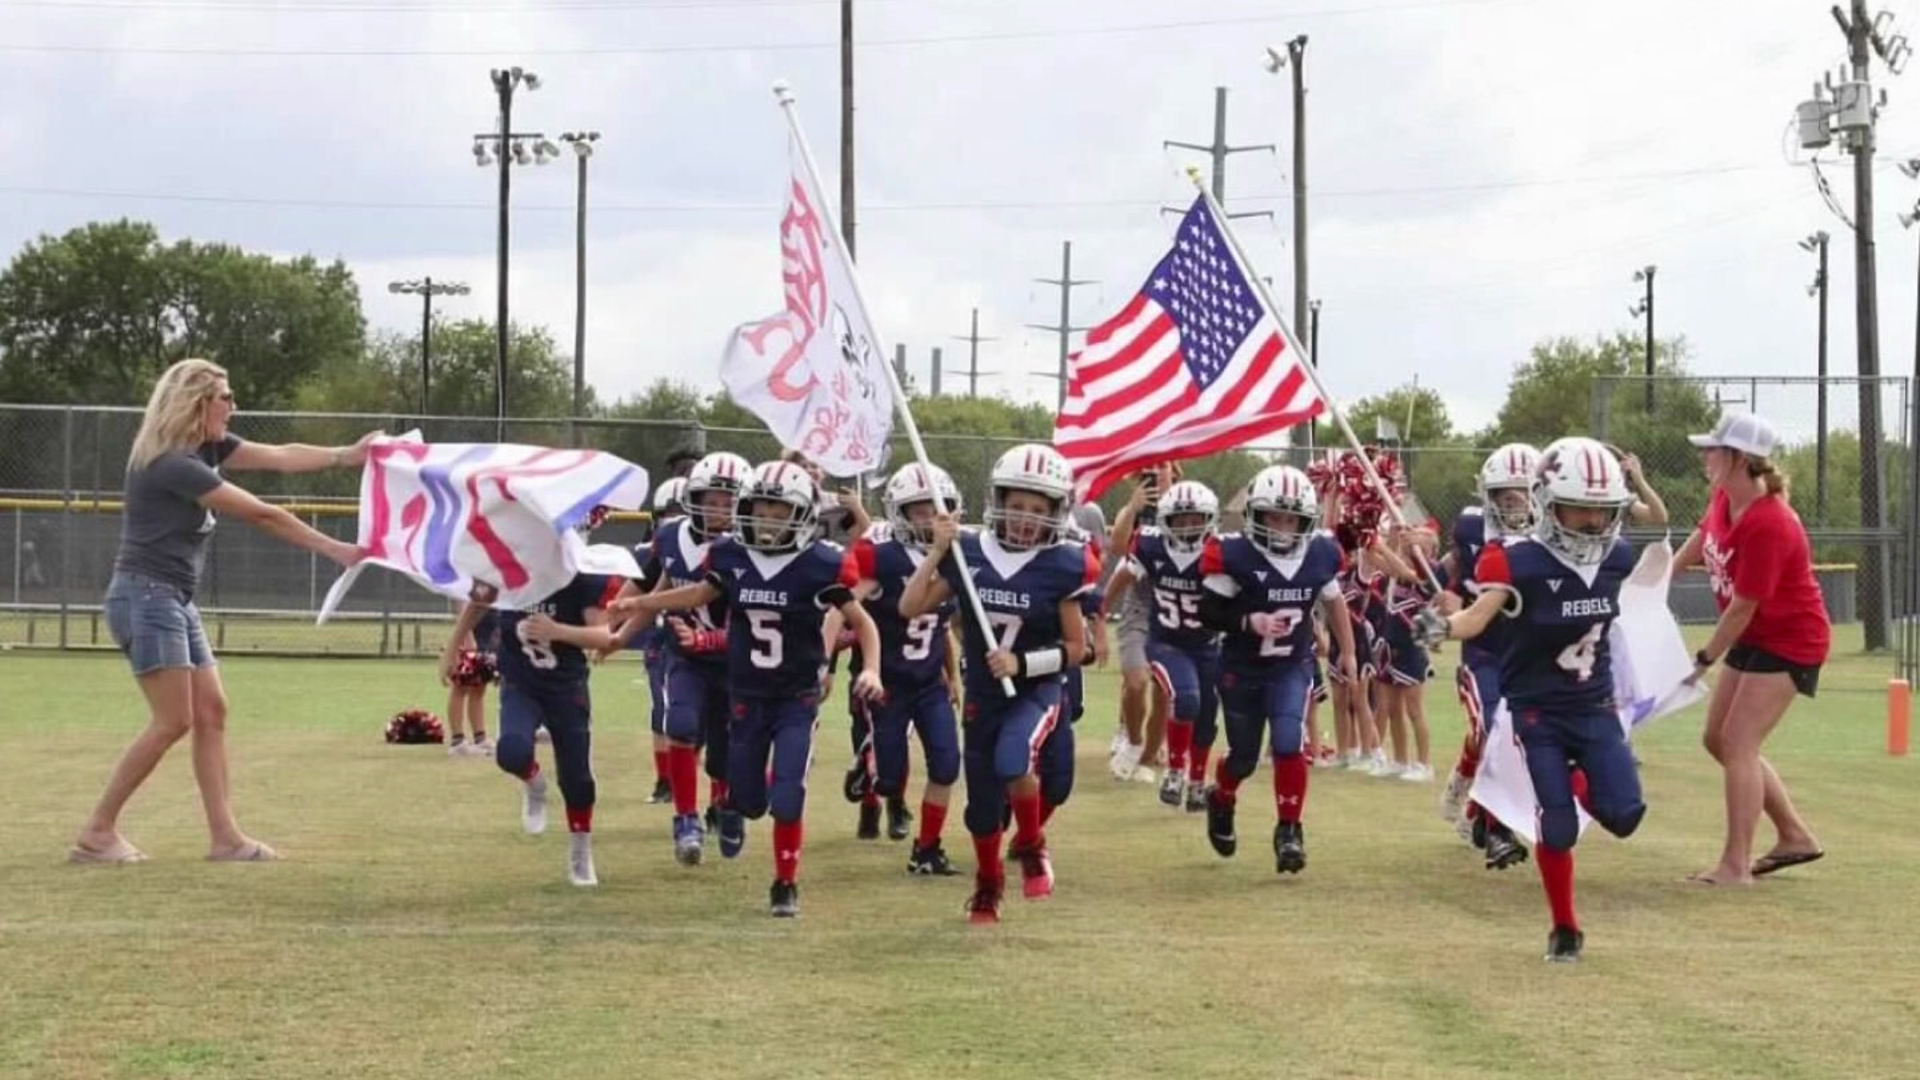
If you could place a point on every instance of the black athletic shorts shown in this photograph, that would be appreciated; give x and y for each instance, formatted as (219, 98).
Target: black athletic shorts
(1806, 677)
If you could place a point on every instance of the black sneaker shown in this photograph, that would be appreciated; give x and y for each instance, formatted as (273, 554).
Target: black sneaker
(858, 781)
(869, 822)
(1220, 825)
(899, 820)
(784, 900)
(662, 792)
(1502, 849)
(930, 861)
(733, 834)
(1289, 847)
(1564, 944)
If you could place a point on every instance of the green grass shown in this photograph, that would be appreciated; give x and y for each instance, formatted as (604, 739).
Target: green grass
(413, 932)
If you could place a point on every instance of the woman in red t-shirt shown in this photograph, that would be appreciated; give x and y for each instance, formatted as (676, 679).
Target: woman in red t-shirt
(1773, 634)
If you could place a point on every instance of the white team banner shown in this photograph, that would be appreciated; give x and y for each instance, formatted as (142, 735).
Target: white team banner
(1651, 669)
(812, 372)
(450, 514)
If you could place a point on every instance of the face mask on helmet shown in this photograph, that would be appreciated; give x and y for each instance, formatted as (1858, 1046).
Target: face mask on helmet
(711, 510)
(1511, 510)
(1187, 530)
(1279, 531)
(1583, 533)
(1022, 520)
(771, 523)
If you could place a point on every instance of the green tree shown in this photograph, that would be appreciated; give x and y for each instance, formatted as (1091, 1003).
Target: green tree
(90, 317)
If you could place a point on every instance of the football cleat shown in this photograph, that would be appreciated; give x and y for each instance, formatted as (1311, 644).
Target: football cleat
(1502, 849)
(688, 839)
(1564, 945)
(580, 861)
(733, 834)
(533, 811)
(1173, 788)
(1289, 847)
(930, 861)
(1196, 796)
(783, 900)
(1036, 870)
(1220, 825)
(662, 792)
(869, 822)
(983, 907)
(899, 819)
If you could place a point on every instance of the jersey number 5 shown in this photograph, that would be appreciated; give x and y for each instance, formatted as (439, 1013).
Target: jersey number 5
(1579, 657)
(765, 628)
(1178, 611)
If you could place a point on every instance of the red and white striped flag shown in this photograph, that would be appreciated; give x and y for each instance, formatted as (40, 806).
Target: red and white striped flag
(1194, 365)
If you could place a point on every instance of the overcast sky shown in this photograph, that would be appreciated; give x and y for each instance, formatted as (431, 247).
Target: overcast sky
(1485, 172)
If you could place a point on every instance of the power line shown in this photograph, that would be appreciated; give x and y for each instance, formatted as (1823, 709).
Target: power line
(906, 207)
(730, 47)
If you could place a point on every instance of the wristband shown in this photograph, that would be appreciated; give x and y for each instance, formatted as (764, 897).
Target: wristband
(1047, 661)
(1702, 660)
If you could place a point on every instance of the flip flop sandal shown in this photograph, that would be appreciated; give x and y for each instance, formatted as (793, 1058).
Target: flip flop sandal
(1767, 864)
(122, 855)
(254, 851)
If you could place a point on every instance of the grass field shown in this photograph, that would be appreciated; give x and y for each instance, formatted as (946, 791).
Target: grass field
(413, 932)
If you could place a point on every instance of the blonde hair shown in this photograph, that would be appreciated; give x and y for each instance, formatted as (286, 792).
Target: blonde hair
(175, 418)
(1768, 474)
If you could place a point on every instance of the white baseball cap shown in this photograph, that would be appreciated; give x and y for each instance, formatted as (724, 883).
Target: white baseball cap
(1745, 432)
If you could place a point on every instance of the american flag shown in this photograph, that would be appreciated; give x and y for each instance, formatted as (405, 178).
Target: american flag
(1194, 365)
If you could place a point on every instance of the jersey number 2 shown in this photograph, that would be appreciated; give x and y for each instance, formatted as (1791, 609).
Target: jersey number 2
(1579, 657)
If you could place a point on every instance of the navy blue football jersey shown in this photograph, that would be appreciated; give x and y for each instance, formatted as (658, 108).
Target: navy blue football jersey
(1555, 658)
(1021, 592)
(1177, 582)
(1469, 542)
(682, 560)
(525, 662)
(913, 652)
(776, 646)
(1256, 580)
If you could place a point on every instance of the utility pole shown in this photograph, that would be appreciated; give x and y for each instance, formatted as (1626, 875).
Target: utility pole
(973, 340)
(1644, 306)
(846, 124)
(1817, 243)
(934, 374)
(1295, 58)
(900, 363)
(1065, 328)
(582, 143)
(1851, 113)
(426, 289)
(509, 148)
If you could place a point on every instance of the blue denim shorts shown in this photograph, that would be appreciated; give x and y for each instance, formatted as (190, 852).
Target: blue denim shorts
(155, 624)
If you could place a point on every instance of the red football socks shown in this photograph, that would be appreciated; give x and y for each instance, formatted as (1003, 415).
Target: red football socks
(533, 770)
(579, 820)
(787, 836)
(1179, 741)
(1227, 784)
(1046, 812)
(986, 853)
(933, 818)
(1556, 873)
(1026, 819)
(683, 773)
(1290, 785)
(1469, 758)
(1582, 792)
(1197, 764)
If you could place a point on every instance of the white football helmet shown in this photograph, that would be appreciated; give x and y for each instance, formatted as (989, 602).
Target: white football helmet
(670, 498)
(914, 483)
(1580, 473)
(1281, 489)
(713, 488)
(761, 524)
(1035, 468)
(1510, 468)
(1185, 499)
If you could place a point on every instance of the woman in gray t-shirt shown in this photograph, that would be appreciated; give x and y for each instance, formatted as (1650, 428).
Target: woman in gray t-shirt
(174, 488)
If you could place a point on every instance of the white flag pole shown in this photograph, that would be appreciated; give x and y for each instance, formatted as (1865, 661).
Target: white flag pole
(784, 94)
(1293, 346)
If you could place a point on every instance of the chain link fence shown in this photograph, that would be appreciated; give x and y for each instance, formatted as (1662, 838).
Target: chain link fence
(61, 482)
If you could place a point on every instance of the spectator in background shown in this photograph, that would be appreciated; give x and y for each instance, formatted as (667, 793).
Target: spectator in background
(843, 516)
(1773, 634)
(681, 459)
(1143, 707)
(174, 488)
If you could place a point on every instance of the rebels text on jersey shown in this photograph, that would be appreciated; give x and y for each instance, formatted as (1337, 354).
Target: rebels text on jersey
(681, 559)
(913, 652)
(776, 647)
(1021, 592)
(523, 662)
(1177, 582)
(1257, 581)
(1555, 658)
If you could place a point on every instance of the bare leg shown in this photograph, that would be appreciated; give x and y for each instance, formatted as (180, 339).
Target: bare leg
(1133, 704)
(1753, 709)
(169, 694)
(210, 763)
(1155, 729)
(1416, 705)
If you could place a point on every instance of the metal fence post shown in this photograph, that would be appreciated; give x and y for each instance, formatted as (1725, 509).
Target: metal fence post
(66, 521)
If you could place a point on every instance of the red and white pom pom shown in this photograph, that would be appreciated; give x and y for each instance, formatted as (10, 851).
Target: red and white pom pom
(415, 726)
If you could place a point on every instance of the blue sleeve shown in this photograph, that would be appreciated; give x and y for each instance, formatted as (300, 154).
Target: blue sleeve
(950, 570)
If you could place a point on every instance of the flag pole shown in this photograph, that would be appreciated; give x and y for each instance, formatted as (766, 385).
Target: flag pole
(784, 95)
(1313, 372)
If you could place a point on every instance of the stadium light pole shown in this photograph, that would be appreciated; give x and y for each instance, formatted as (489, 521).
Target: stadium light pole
(426, 289)
(582, 143)
(1644, 306)
(507, 148)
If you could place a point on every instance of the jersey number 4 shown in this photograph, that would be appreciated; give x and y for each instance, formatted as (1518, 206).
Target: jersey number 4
(1579, 657)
